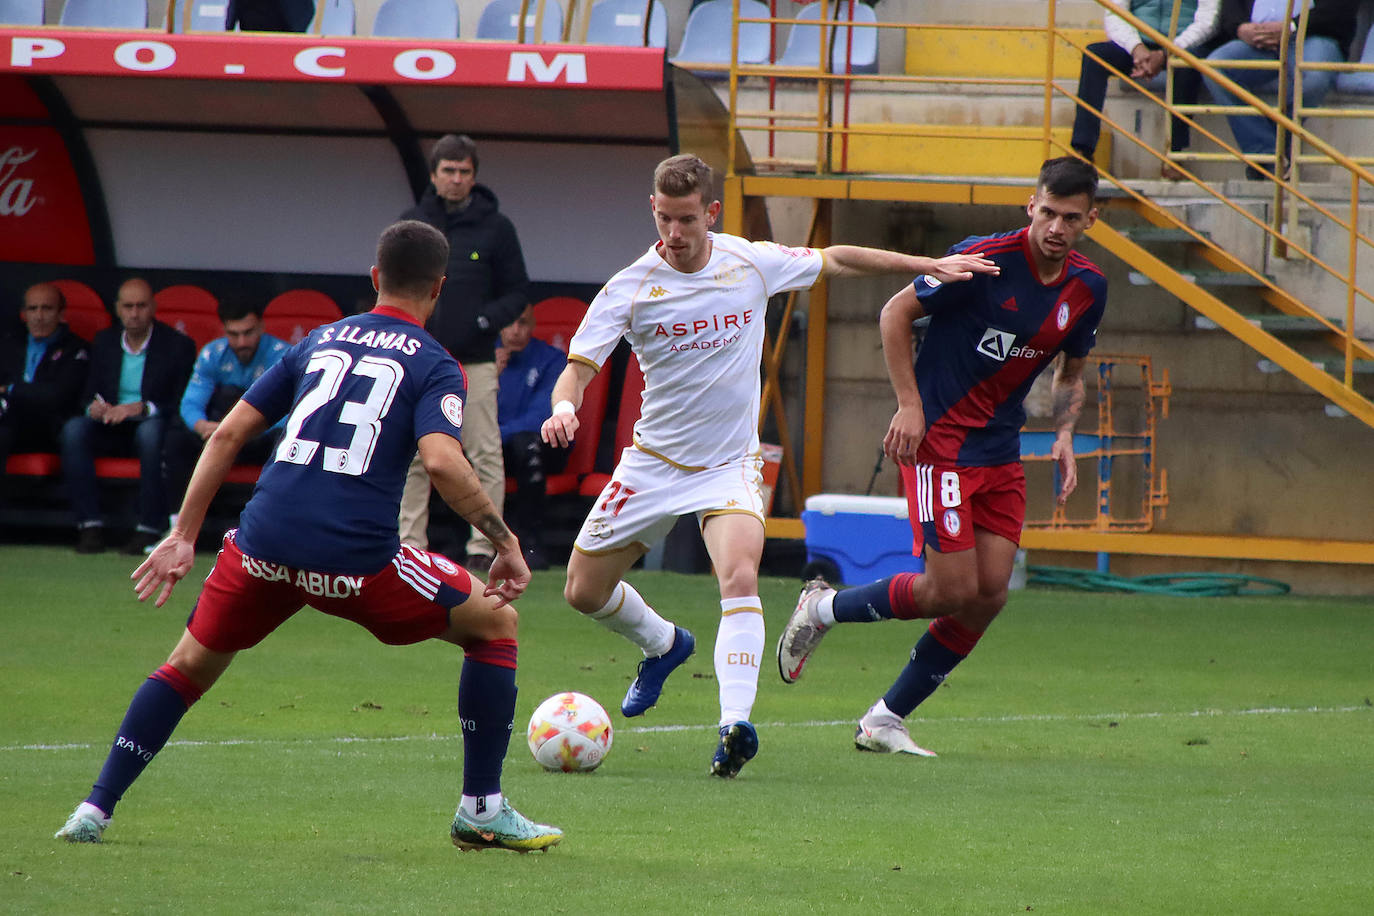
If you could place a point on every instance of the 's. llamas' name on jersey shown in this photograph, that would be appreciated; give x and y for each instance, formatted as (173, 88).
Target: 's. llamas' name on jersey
(381, 340)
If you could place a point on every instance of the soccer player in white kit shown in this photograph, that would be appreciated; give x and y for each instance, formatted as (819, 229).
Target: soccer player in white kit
(692, 308)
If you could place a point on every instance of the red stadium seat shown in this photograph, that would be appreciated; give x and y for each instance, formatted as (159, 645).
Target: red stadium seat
(33, 464)
(557, 318)
(294, 313)
(185, 297)
(86, 314)
(199, 326)
(631, 399)
(582, 458)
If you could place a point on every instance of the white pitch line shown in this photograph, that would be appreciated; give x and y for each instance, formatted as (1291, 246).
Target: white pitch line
(819, 723)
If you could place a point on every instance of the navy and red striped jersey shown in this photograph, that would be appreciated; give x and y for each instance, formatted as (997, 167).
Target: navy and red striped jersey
(357, 395)
(988, 339)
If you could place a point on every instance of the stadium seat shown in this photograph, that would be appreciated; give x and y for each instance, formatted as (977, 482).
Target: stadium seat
(336, 17)
(21, 12)
(416, 19)
(631, 400)
(105, 14)
(1362, 83)
(621, 22)
(185, 297)
(803, 42)
(582, 457)
(86, 314)
(202, 327)
(556, 319)
(706, 39)
(205, 15)
(500, 21)
(294, 313)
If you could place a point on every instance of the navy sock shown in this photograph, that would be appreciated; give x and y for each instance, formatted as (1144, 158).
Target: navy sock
(930, 663)
(881, 600)
(863, 603)
(157, 707)
(486, 709)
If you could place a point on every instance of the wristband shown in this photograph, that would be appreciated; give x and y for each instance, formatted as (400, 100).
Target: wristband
(564, 407)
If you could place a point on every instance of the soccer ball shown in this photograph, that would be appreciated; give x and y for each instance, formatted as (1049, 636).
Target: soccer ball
(569, 732)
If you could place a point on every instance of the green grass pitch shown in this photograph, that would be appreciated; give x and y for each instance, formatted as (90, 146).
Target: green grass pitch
(1097, 755)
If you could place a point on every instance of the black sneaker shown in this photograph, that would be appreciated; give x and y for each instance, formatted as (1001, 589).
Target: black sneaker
(478, 562)
(141, 542)
(90, 540)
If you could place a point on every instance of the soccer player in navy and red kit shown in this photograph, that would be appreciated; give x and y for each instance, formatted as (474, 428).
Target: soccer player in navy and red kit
(956, 438)
(359, 396)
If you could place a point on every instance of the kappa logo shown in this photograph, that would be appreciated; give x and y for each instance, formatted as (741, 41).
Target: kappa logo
(657, 291)
(996, 344)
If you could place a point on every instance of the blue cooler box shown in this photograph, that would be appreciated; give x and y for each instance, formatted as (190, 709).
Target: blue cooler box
(866, 537)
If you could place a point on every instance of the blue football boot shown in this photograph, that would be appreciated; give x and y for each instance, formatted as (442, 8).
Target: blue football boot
(648, 682)
(738, 745)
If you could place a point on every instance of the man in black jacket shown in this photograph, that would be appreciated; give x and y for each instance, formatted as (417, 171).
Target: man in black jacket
(487, 289)
(42, 374)
(138, 373)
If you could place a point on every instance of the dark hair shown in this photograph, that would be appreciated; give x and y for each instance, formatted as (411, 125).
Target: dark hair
(411, 255)
(682, 176)
(236, 309)
(1068, 176)
(454, 147)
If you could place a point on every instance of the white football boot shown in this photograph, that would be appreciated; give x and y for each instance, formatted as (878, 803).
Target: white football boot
(886, 733)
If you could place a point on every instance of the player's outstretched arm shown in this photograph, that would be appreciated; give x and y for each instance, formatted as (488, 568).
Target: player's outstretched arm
(908, 426)
(457, 483)
(560, 428)
(1067, 393)
(857, 261)
(171, 560)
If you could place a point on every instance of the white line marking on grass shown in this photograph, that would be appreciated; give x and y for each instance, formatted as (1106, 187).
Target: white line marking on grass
(817, 723)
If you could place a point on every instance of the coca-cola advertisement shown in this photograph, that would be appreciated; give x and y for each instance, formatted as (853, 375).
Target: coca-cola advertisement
(42, 216)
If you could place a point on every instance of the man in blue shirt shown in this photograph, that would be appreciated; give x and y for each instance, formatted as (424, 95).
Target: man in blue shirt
(359, 396)
(528, 367)
(42, 373)
(224, 370)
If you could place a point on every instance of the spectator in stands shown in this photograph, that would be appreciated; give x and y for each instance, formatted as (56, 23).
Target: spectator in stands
(528, 368)
(223, 371)
(1143, 59)
(42, 373)
(487, 289)
(138, 373)
(269, 15)
(1250, 30)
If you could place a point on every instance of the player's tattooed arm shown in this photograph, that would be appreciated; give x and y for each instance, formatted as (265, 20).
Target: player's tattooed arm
(1067, 394)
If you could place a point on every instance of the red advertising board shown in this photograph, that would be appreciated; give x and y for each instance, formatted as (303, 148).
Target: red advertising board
(42, 215)
(302, 58)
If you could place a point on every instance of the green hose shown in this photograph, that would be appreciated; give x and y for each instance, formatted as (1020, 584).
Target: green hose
(1183, 585)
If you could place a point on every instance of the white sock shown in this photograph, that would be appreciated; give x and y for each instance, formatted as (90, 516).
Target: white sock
(629, 615)
(481, 808)
(879, 710)
(825, 610)
(739, 646)
(93, 811)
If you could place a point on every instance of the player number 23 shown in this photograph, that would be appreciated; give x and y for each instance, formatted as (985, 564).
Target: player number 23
(364, 416)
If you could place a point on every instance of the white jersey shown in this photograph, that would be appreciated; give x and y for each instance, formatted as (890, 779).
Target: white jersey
(699, 339)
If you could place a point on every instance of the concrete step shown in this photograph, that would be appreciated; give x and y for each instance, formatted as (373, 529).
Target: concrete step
(1208, 278)
(1275, 324)
(1158, 234)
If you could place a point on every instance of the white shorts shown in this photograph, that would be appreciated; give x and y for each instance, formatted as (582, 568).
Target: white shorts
(646, 495)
